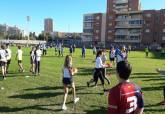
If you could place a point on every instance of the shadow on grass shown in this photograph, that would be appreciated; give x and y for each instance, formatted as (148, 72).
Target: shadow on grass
(85, 71)
(90, 71)
(45, 88)
(146, 74)
(152, 88)
(157, 55)
(37, 96)
(4, 109)
(99, 110)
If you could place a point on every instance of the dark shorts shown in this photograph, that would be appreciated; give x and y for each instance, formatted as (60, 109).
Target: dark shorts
(19, 61)
(67, 81)
(8, 62)
(3, 63)
(32, 61)
(112, 59)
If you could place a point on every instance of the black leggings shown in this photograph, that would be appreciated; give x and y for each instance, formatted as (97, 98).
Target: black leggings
(104, 75)
(98, 75)
(37, 66)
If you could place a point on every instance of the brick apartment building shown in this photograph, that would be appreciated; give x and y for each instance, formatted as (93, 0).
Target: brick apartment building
(94, 27)
(126, 23)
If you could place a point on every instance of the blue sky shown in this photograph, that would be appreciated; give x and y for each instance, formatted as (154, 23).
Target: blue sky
(64, 12)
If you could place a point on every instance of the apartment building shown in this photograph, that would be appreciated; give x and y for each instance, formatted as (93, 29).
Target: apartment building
(126, 23)
(48, 25)
(94, 28)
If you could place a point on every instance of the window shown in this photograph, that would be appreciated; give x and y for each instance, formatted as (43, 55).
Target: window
(110, 17)
(88, 25)
(147, 30)
(96, 37)
(110, 24)
(148, 15)
(97, 31)
(109, 31)
(164, 30)
(98, 17)
(109, 37)
(163, 37)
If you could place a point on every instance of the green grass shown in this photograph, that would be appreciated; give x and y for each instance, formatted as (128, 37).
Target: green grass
(43, 94)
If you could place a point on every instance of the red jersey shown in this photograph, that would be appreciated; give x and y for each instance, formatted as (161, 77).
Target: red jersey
(125, 98)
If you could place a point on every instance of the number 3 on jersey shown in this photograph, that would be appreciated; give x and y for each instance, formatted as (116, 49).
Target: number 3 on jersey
(132, 104)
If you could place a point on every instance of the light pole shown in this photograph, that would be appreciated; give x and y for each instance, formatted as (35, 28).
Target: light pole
(28, 20)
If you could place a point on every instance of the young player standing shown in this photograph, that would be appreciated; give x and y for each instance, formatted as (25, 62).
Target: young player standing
(68, 72)
(9, 52)
(126, 97)
(32, 60)
(112, 55)
(38, 54)
(104, 59)
(19, 58)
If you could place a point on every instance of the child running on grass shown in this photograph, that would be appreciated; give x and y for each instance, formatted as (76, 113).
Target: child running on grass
(68, 72)
(19, 58)
(98, 69)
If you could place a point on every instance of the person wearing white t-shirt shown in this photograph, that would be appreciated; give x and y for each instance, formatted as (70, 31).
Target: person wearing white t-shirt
(19, 58)
(3, 60)
(9, 52)
(32, 60)
(99, 65)
(38, 54)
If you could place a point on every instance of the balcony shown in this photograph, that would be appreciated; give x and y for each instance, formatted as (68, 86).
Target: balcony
(121, 1)
(121, 7)
(122, 33)
(128, 26)
(128, 40)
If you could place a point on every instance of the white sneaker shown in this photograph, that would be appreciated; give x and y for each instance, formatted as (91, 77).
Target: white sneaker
(76, 100)
(64, 107)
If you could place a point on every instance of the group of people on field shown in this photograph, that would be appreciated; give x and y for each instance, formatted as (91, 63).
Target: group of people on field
(6, 54)
(124, 98)
(59, 48)
(5, 59)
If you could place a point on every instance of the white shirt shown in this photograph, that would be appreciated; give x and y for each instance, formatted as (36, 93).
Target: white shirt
(94, 49)
(112, 54)
(38, 55)
(99, 63)
(19, 54)
(104, 58)
(66, 73)
(3, 55)
(8, 54)
(124, 54)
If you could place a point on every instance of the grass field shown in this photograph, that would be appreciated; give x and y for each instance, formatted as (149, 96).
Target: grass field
(43, 94)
